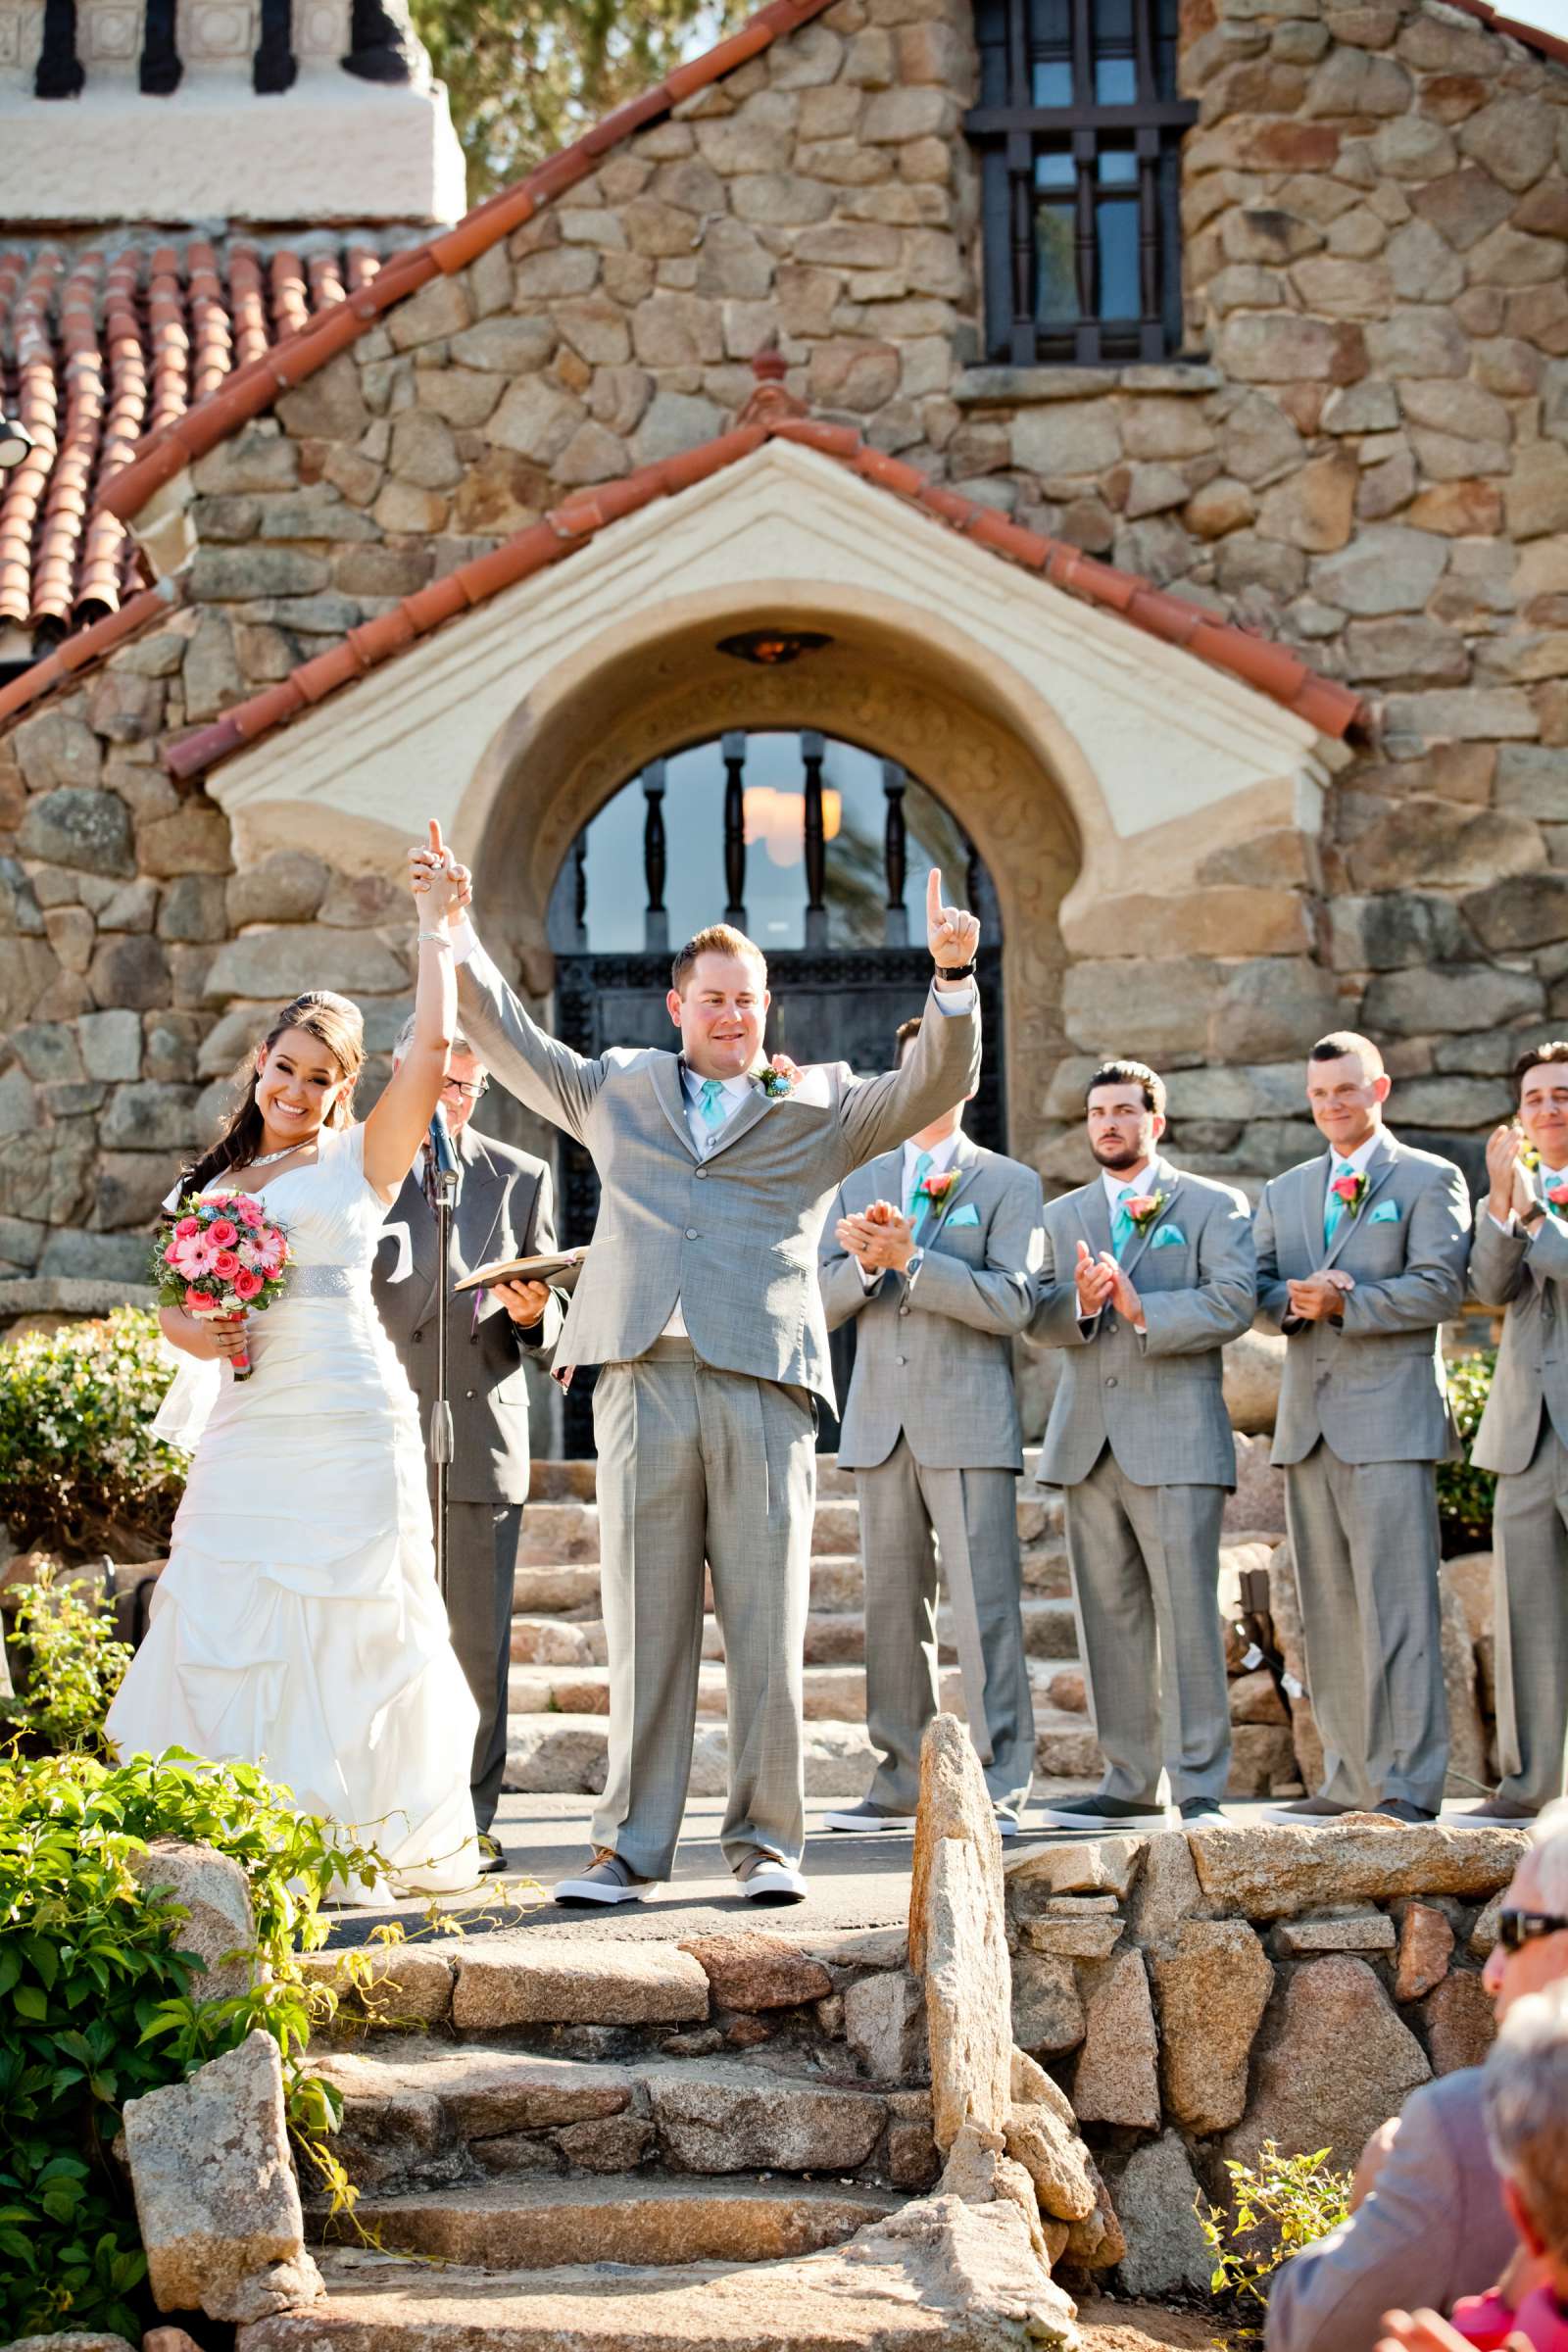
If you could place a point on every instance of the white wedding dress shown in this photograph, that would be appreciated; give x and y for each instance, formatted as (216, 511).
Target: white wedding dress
(298, 1624)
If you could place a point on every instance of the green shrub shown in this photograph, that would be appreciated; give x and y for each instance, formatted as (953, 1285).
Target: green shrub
(71, 1665)
(1464, 1493)
(99, 2006)
(81, 1472)
(1282, 2204)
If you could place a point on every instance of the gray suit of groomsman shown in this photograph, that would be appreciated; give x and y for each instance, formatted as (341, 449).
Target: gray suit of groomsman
(1360, 1286)
(503, 1209)
(931, 1431)
(1520, 1262)
(1142, 1302)
(699, 1297)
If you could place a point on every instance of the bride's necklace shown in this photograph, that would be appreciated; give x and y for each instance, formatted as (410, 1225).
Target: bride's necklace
(264, 1159)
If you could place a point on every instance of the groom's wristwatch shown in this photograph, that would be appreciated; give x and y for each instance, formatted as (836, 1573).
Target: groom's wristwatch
(955, 972)
(1531, 1217)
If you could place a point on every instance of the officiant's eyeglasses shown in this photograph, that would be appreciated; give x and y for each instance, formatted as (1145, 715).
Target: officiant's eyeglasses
(1516, 1928)
(471, 1088)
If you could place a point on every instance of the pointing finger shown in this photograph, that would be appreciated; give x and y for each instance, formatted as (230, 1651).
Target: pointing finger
(933, 897)
(436, 850)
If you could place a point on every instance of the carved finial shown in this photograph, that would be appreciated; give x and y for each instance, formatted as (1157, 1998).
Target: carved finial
(772, 397)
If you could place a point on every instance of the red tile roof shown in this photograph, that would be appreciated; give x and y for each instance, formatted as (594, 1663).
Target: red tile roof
(1533, 35)
(86, 647)
(167, 446)
(97, 351)
(1270, 668)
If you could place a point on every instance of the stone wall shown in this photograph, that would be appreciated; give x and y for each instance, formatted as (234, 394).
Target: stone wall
(1195, 1996)
(1364, 450)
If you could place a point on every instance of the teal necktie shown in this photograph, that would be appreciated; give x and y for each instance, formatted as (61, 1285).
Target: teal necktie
(1333, 1205)
(916, 1204)
(711, 1105)
(1122, 1226)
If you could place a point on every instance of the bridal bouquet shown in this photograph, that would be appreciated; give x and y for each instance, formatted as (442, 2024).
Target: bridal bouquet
(225, 1257)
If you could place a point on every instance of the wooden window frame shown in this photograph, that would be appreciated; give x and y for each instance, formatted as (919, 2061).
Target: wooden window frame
(1012, 136)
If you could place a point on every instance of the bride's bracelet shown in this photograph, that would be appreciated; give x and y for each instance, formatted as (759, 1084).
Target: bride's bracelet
(440, 939)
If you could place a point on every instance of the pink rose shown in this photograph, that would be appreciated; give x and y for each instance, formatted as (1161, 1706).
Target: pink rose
(251, 1213)
(222, 1233)
(1557, 1193)
(172, 1253)
(247, 1285)
(225, 1266)
(1142, 1204)
(1345, 1186)
(937, 1187)
(196, 1303)
(187, 1229)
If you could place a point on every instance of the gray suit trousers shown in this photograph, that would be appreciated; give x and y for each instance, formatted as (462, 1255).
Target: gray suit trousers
(974, 1517)
(1145, 1564)
(1530, 1611)
(694, 1463)
(483, 1540)
(1365, 1539)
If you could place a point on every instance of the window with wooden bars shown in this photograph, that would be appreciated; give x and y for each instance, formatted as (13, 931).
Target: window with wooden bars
(1078, 128)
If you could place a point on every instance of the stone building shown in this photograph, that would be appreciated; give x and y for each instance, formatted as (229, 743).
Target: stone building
(1121, 450)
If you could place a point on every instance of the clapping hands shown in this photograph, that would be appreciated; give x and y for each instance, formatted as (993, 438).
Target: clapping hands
(1100, 1283)
(1320, 1297)
(879, 1237)
(1509, 1192)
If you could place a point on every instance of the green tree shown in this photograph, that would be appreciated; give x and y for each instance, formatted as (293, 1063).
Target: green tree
(527, 76)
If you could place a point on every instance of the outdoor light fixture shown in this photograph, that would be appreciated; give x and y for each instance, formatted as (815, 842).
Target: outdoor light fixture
(15, 442)
(771, 649)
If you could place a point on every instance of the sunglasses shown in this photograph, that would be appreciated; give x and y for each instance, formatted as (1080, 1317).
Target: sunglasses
(1516, 1928)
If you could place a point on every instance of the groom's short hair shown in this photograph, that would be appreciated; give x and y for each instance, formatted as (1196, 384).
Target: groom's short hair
(1131, 1073)
(719, 939)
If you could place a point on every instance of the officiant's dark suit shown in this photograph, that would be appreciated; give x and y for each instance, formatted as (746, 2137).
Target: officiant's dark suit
(505, 1210)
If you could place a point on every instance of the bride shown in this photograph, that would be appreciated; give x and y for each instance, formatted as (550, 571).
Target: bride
(298, 1624)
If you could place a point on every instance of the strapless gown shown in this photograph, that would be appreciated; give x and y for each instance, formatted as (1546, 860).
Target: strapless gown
(298, 1624)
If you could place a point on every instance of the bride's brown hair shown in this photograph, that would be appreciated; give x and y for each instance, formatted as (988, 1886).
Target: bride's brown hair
(335, 1024)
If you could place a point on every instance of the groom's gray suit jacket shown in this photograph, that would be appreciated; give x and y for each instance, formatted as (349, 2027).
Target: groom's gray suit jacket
(1373, 1385)
(733, 1236)
(934, 1359)
(1528, 1274)
(1159, 1400)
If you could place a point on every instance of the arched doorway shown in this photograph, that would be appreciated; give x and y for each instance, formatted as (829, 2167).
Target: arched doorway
(820, 850)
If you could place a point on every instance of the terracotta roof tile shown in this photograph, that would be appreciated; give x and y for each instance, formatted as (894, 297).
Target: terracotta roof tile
(108, 352)
(87, 646)
(1270, 668)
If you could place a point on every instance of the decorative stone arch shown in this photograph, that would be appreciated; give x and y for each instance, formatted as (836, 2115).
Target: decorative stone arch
(1093, 766)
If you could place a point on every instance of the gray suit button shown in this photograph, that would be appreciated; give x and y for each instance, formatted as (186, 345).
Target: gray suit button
(699, 1171)
(1111, 1381)
(690, 1233)
(468, 1393)
(900, 1359)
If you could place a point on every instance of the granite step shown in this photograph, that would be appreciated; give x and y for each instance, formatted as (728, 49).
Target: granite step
(570, 1588)
(383, 2303)
(833, 1637)
(533, 2223)
(829, 1694)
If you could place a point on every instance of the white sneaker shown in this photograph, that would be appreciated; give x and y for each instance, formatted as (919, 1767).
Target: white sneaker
(764, 1879)
(1104, 1816)
(867, 1818)
(607, 1880)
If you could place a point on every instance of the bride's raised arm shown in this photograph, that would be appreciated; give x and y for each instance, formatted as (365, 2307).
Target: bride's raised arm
(400, 1121)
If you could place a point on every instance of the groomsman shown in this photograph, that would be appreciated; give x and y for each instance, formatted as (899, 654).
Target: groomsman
(1520, 1262)
(503, 1209)
(1361, 1258)
(934, 1248)
(1148, 1272)
(699, 1299)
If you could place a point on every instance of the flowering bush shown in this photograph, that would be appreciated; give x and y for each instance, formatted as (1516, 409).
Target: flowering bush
(81, 1472)
(74, 1664)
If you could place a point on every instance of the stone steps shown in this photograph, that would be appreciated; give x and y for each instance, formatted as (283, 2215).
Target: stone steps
(829, 1694)
(570, 1588)
(531, 2225)
(380, 2303)
(833, 1636)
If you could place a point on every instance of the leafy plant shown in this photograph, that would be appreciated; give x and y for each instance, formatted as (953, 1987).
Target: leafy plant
(81, 1471)
(98, 2003)
(1464, 1493)
(1281, 2204)
(74, 1664)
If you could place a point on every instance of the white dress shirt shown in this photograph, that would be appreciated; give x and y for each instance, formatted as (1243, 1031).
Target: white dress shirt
(1116, 1181)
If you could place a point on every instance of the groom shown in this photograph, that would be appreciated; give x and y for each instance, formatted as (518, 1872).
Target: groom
(699, 1299)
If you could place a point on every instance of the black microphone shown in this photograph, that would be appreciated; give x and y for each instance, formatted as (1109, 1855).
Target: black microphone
(443, 1158)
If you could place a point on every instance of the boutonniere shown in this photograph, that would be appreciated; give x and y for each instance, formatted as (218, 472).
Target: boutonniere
(1143, 1209)
(936, 1189)
(778, 1077)
(1350, 1190)
(1557, 1195)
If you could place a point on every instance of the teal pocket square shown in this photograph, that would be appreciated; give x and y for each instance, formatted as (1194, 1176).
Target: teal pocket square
(1387, 1213)
(1170, 1237)
(969, 1214)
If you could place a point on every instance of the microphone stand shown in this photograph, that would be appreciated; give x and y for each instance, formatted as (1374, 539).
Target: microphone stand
(444, 1162)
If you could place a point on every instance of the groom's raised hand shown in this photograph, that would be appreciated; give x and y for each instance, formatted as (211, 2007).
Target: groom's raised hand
(951, 935)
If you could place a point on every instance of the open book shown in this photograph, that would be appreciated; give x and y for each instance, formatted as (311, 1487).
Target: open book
(560, 1267)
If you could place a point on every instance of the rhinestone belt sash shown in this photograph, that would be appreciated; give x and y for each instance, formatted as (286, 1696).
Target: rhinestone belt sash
(325, 1282)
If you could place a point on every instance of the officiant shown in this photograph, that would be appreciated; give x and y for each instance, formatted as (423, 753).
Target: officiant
(505, 1208)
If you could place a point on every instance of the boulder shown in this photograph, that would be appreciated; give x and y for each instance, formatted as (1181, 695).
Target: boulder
(1467, 1733)
(1357, 1928)
(1255, 1366)
(757, 1972)
(1257, 1505)
(89, 2340)
(217, 2201)
(1333, 2062)
(538, 1980)
(1156, 2199)
(1212, 1983)
(720, 2116)
(209, 1905)
(1426, 1946)
(1048, 2010)
(1268, 1871)
(957, 1940)
(1166, 1891)
(1117, 2079)
(1042, 2136)
(1100, 1866)
(884, 2024)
